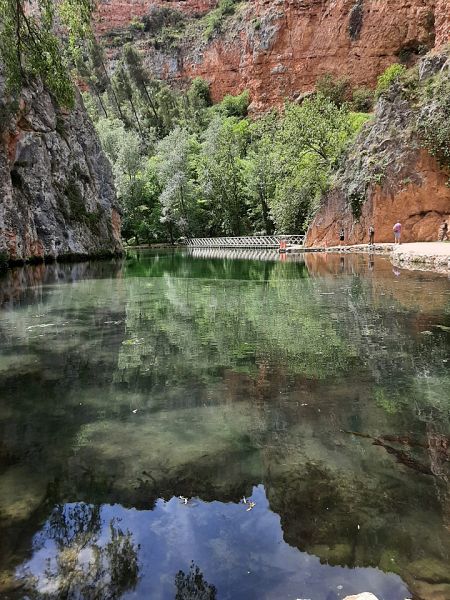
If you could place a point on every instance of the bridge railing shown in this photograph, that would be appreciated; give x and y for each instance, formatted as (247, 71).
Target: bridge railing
(263, 254)
(250, 241)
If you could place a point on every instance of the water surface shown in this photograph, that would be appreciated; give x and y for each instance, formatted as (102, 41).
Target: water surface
(316, 388)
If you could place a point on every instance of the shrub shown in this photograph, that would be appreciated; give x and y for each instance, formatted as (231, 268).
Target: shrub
(136, 25)
(356, 200)
(363, 99)
(215, 18)
(235, 106)
(434, 123)
(256, 24)
(390, 76)
(335, 89)
(160, 17)
(199, 89)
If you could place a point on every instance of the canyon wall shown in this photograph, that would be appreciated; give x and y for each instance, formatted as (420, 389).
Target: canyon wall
(277, 49)
(57, 195)
(388, 176)
(117, 14)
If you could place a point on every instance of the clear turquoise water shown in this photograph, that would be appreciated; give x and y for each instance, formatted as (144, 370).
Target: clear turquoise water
(318, 390)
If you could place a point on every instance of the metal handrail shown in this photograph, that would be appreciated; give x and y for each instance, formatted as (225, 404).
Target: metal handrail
(250, 241)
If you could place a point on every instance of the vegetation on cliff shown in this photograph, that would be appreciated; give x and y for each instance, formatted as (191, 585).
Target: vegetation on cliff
(185, 167)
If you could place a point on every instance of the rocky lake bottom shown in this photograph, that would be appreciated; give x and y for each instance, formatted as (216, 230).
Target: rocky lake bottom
(241, 426)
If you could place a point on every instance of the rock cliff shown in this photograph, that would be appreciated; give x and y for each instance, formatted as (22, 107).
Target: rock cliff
(117, 14)
(389, 176)
(57, 197)
(279, 48)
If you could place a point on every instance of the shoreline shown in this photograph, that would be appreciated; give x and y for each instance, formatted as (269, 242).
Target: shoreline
(425, 256)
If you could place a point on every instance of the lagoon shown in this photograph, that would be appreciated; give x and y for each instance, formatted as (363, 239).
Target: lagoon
(143, 400)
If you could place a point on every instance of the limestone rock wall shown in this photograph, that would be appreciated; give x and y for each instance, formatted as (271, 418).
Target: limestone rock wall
(57, 196)
(387, 177)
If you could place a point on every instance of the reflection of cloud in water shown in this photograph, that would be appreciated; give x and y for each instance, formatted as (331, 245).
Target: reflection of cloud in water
(241, 553)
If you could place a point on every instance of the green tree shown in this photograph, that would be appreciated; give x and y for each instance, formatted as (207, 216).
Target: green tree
(176, 177)
(125, 93)
(389, 77)
(141, 80)
(234, 106)
(310, 142)
(263, 170)
(335, 89)
(223, 173)
(29, 46)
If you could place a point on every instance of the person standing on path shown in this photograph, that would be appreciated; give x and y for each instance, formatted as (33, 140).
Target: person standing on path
(443, 232)
(371, 235)
(341, 236)
(397, 233)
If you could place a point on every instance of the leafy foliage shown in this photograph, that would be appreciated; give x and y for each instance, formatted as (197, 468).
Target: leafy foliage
(363, 100)
(29, 45)
(434, 122)
(193, 586)
(214, 19)
(390, 76)
(235, 106)
(335, 89)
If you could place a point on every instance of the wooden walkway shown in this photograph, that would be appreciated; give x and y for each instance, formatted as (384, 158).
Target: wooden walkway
(251, 241)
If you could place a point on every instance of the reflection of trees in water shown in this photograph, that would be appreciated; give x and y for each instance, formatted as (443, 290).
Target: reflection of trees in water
(81, 567)
(192, 585)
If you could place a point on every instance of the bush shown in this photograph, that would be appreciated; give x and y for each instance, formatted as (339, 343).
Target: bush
(199, 90)
(434, 123)
(235, 106)
(363, 99)
(160, 17)
(390, 76)
(215, 18)
(336, 90)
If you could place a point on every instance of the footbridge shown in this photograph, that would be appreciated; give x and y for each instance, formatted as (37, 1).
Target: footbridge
(250, 241)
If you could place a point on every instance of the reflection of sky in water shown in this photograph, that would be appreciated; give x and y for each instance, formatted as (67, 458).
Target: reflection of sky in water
(123, 383)
(241, 552)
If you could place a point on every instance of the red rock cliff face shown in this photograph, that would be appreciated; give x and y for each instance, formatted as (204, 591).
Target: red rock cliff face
(387, 177)
(278, 48)
(442, 23)
(420, 206)
(117, 14)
